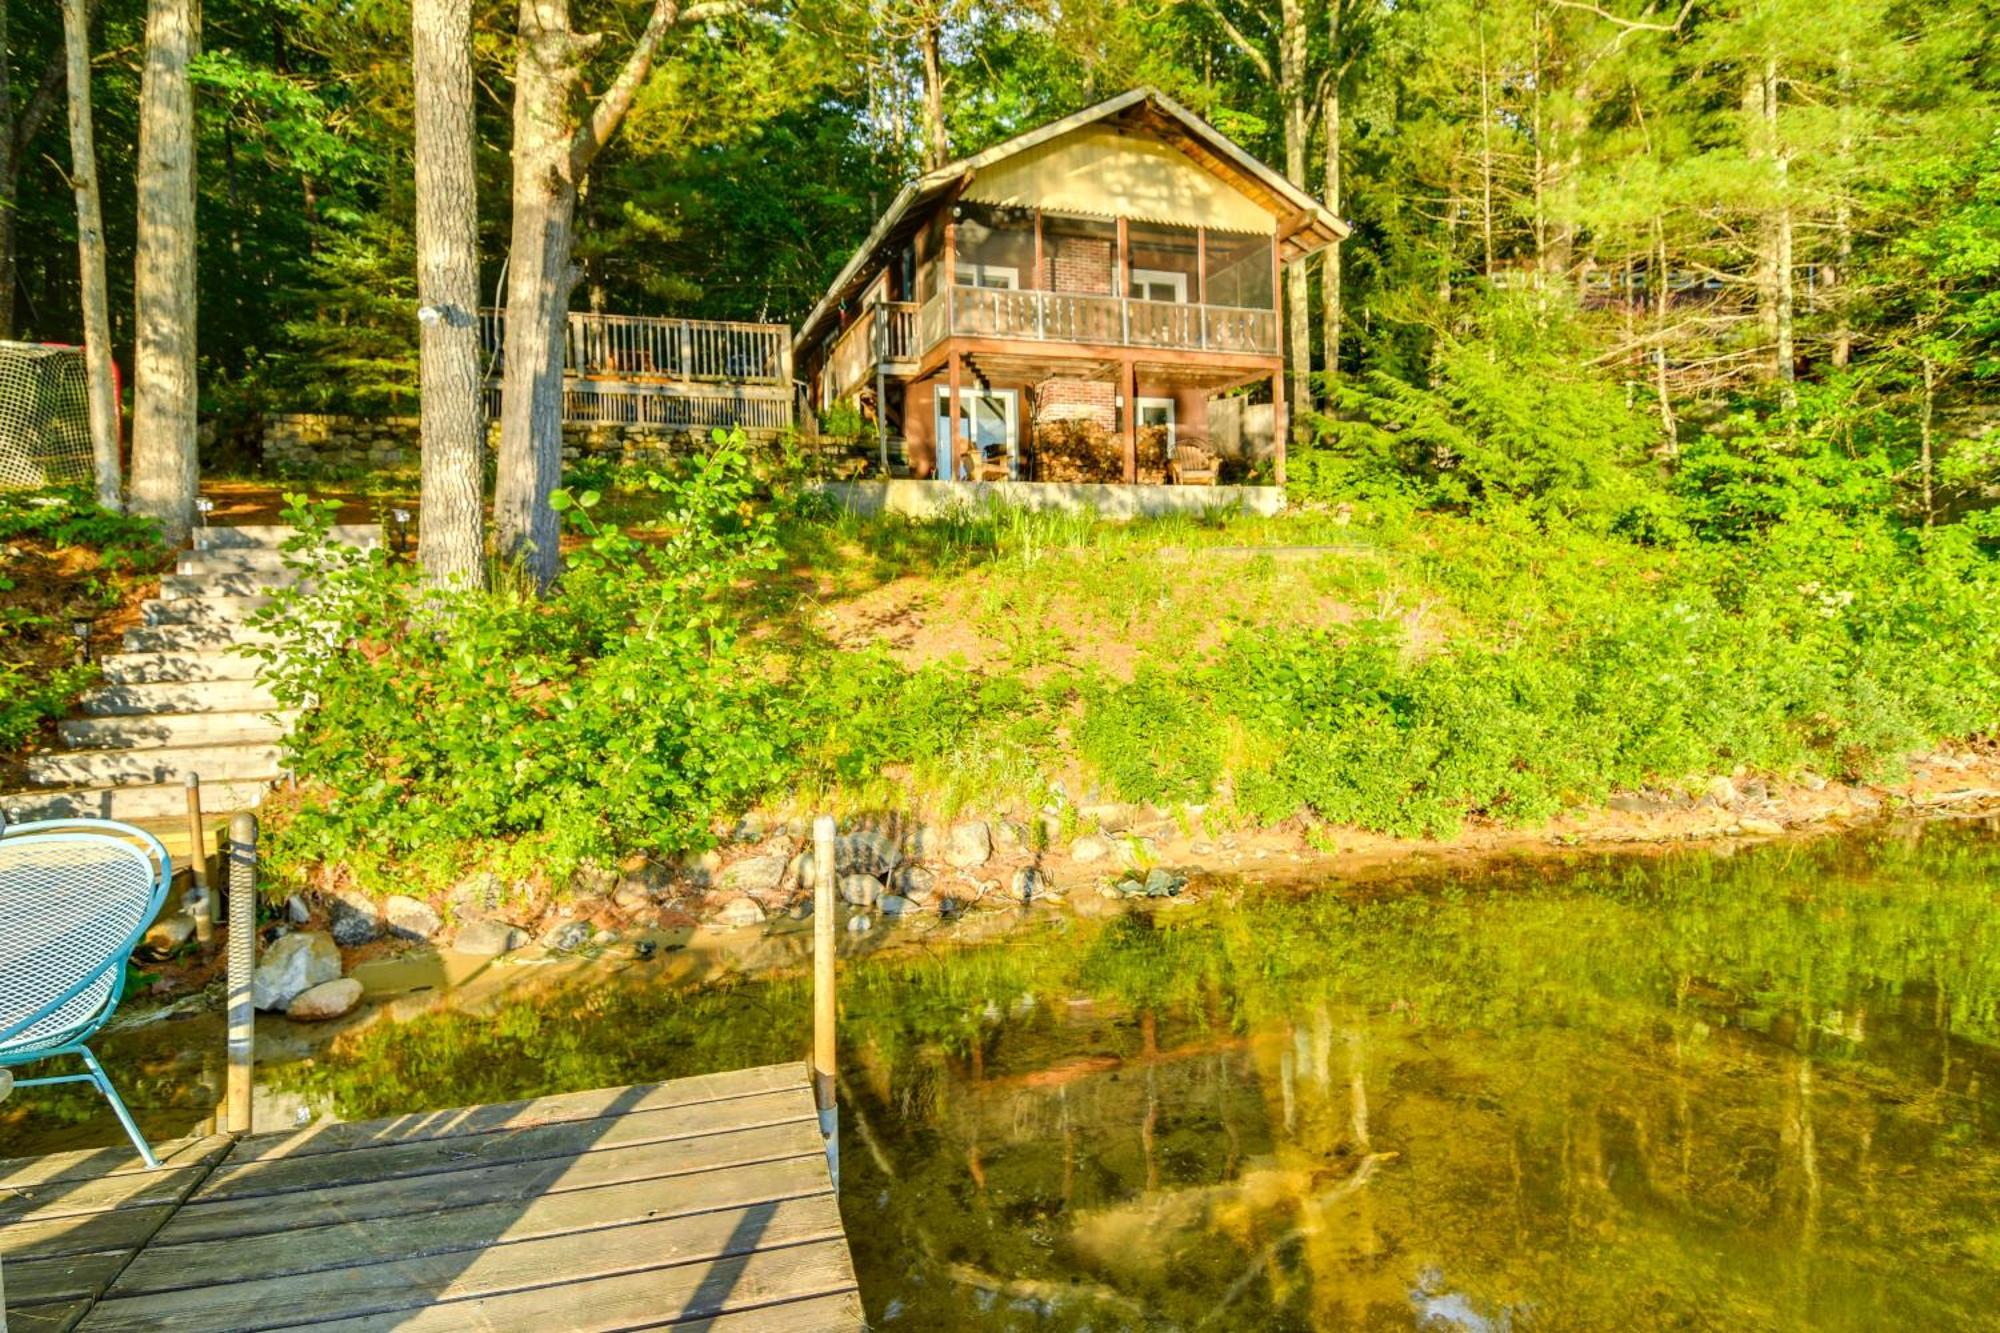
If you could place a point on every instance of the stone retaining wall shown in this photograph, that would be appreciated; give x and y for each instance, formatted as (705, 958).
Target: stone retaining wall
(300, 444)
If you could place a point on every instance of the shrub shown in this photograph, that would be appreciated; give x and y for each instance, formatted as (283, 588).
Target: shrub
(621, 713)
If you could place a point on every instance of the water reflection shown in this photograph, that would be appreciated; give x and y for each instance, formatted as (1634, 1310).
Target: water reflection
(1681, 1092)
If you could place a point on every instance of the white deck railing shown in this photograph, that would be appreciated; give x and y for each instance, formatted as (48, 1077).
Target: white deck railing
(641, 347)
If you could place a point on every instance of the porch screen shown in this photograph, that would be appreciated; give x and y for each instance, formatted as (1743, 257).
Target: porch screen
(996, 247)
(1163, 263)
(1239, 271)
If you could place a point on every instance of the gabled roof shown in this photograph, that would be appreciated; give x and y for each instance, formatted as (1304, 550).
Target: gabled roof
(1304, 224)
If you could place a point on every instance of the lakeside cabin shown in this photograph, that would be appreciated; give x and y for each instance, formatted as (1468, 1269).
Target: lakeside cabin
(1078, 304)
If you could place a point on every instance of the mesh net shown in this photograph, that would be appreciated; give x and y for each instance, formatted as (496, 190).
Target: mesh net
(44, 417)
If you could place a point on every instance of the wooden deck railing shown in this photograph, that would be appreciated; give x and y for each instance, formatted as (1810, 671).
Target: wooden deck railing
(639, 347)
(903, 331)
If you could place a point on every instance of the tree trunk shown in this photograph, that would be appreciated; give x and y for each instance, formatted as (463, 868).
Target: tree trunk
(539, 279)
(1485, 156)
(10, 186)
(1924, 425)
(1661, 290)
(164, 465)
(1781, 239)
(937, 148)
(1292, 91)
(102, 378)
(1331, 297)
(451, 540)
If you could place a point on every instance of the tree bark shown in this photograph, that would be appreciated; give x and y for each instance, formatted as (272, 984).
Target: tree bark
(552, 151)
(1292, 91)
(1331, 296)
(451, 539)
(101, 377)
(1781, 239)
(937, 147)
(10, 185)
(164, 463)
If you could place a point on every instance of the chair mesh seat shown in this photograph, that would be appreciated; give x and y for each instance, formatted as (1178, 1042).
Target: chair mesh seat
(68, 903)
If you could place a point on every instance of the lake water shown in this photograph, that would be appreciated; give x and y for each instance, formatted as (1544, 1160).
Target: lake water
(1686, 1091)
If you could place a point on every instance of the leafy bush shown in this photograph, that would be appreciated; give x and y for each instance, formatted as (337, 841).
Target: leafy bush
(621, 713)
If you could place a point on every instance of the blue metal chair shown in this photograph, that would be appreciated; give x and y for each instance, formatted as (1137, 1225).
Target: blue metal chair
(76, 896)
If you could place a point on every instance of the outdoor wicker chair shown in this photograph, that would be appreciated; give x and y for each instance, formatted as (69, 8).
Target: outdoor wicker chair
(76, 895)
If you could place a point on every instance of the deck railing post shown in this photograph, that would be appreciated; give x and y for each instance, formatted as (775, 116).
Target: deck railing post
(200, 902)
(242, 966)
(824, 898)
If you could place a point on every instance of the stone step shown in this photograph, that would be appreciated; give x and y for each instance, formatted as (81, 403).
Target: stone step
(168, 763)
(173, 729)
(143, 668)
(242, 560)
(203, 638)
(274, 535)
(159, 801)
(200, 610)
(241, 583)
(195, 696)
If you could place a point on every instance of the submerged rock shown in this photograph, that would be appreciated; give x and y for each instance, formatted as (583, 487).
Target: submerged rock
(738, 913)
(894, 905)
(483, 937)
(860, 890)
(329, 999)
(293, 965)
(564, 936)
(1163, 883)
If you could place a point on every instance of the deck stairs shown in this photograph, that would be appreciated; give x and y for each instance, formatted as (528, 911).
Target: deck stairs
(178, 699)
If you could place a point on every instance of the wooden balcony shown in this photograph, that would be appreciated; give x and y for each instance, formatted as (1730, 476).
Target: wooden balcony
(675, 374)
(898, 335)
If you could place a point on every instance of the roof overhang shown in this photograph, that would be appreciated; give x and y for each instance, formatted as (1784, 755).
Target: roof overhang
(1305, 226)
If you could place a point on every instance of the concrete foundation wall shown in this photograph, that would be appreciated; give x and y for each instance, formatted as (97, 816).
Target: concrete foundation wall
(922, 499)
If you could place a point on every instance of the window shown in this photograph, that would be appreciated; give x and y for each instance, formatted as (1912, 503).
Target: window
(1158, 412)
(1158, 284)
(1002, 276)
(987, 419)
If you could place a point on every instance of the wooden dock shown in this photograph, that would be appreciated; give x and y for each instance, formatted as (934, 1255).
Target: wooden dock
(700, 1201)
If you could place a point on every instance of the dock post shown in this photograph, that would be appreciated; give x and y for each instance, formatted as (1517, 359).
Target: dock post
(201, 903)
(242, 965)
(824, 898)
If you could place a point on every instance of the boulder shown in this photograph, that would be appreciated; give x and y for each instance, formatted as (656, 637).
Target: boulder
(1638, 803)
(754, 875)
(356, 918)
(1089, 848)
(701, 868)
(1028, 884)
(860, 890)
(475, 894)
(564, 936)
(296, 910)
(483, 937)
(969, 844)
(329, 999)
(1009, 836)
(1114, 817)
(165, 937)
(632, 899)
(895, 905)
(1763, 828)
(917, 883)
(1720, 790)
(925, 842)
(411, 918)
(293, 965)
(866, 852)
(1163, 883)
(740, 912)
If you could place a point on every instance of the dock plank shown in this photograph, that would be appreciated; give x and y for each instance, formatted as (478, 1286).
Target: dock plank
(216, 1219)
(674, 1251)
(287, 1174)
(699, 1201)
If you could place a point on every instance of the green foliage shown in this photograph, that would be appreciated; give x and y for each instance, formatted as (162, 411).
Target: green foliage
(1506, 415)
(623, 714)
